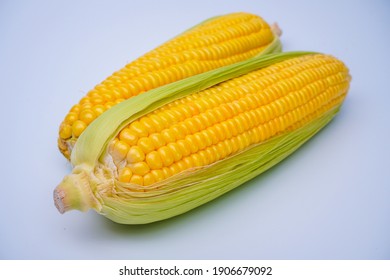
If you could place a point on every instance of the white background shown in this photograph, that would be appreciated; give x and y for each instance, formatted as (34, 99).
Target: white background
(330, 200)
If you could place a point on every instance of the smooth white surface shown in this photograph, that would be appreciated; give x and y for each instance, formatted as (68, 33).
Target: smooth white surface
(330, 200)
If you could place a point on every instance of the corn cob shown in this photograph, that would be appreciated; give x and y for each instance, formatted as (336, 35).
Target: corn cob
(214, 43)
(174, 148)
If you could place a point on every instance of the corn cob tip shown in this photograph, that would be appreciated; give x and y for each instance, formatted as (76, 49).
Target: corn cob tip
(74, 193)
(276, 29)
(59, 196)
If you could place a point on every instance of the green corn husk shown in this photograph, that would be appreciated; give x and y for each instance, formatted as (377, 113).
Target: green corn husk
(92, 184)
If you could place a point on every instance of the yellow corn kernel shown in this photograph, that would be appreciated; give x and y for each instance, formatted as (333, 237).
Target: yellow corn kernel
(157, 140)
(135, 154)
(138, 129)
(168, 136)
(148, 179)
(120, 150)
(71, 117)
(125, 175)
(137, 180)
(154, 161)
(128, 136)
(146, 144)
(87, 116)
(139, 168)
(78, 127)
(98, 109)
(66, 131)
(166, 155)
(184, 147)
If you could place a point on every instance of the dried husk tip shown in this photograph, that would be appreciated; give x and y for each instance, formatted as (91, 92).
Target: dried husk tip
(75, 192)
